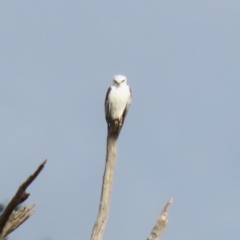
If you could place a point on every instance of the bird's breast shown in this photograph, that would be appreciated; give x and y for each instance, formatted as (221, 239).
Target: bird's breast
(118, 99)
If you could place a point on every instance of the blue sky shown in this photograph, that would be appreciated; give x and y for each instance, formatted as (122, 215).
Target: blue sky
(180, 138)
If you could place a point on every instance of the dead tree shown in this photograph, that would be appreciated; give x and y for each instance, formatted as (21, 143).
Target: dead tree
(100, 223)
(11, 219)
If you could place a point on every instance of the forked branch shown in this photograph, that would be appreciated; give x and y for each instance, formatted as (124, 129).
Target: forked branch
(10, 219)
(100, 223)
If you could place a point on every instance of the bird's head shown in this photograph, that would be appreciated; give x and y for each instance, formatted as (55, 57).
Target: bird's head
(119, 80)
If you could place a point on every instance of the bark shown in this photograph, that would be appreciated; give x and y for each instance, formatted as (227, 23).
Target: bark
(100, 223)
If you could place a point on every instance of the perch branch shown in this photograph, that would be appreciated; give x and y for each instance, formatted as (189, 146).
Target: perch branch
(161, 223)
(20, 196)
(101, 220)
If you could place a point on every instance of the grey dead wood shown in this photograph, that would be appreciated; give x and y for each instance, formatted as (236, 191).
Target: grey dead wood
(10, 219)
(100, 223)
(161, 223)
(16, 219)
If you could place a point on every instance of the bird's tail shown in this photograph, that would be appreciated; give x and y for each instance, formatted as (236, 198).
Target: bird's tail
(115, 127)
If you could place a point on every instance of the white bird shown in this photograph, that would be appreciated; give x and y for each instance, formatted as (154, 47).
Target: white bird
(117, 102)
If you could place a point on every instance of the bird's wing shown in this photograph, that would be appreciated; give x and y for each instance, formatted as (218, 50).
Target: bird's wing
(127, 106)
(107, 106)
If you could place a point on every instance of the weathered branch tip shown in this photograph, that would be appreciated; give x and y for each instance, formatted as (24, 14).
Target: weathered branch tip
(161, 222)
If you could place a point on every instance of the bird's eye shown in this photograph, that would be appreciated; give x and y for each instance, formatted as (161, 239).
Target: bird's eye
(123, 81)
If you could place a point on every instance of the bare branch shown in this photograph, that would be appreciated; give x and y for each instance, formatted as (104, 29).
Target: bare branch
(161, 222)
(101, 220)
(20, 196)
(16, 219)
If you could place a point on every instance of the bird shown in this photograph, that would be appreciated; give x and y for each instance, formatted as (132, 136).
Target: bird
(117, 102)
